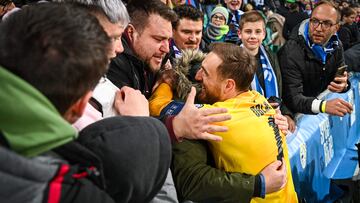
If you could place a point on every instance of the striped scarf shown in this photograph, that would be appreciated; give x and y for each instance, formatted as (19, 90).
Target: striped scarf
(176, 50)
(232, 35)
(270, 81)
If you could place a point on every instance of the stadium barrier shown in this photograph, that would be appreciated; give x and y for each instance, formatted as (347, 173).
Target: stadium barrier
(323, 148)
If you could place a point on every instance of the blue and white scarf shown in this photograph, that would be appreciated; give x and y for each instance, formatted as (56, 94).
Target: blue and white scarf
(176, 50)
(320, 51)
(270, 81)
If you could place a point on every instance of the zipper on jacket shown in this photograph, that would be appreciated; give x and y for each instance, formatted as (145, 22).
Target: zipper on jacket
(147, 91)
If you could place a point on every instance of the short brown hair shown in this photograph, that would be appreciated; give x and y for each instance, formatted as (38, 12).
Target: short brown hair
(330, 3)
(237, 64)
(346, 12)
(250, 16)
(50, 55)
(140, 12)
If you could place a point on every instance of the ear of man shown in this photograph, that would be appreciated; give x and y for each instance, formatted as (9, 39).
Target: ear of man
(78, 108)
(229, 87)
(130, 31)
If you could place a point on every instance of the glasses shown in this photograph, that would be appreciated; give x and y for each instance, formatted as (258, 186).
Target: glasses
(324, 24)
(218, 17)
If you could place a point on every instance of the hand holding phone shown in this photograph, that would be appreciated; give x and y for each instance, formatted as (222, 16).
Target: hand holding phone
(341, 70)
(339, 83)
(274, 101)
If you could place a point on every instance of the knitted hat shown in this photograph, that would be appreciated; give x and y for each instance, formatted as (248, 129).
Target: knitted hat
(222, 10)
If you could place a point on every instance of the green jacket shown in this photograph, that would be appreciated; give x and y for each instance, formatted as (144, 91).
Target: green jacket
(31, 125)
(197, 179)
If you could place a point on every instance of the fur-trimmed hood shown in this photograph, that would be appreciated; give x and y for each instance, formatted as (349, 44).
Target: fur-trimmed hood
(185, 69)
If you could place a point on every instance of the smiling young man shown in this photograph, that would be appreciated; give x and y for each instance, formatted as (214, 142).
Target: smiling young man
(309, 61)
(267, 79)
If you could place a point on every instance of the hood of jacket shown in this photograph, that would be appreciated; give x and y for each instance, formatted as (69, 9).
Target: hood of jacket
(302, 29)
(135, 152)
(29, 122)
(185, 69)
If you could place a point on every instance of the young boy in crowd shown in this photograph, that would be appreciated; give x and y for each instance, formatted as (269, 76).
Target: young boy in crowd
(267, 80)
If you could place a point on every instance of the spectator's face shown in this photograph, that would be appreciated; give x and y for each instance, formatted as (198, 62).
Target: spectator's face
(178, 2)
(323, 24)
(252, 34)
(349, 19)
(344, 4)
(114, 31)
(188, 34)
(233, 5)
(152, 43)
(211, 83)
(218, 19)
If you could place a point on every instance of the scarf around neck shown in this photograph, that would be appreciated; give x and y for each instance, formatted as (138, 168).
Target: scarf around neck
(320, 51)
(177, 51)
(215, 32)
(270, 81)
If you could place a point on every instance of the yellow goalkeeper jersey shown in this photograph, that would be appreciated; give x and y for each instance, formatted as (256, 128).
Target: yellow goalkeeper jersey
(252, 142)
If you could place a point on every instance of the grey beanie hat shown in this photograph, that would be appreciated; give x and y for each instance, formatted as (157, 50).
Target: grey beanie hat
(222, 10)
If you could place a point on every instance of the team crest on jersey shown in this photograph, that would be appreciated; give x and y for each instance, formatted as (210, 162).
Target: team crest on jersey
(303, 155)
(199, 105)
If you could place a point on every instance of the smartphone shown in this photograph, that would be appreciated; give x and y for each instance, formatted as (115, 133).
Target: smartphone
(340, 71)
(274, 99)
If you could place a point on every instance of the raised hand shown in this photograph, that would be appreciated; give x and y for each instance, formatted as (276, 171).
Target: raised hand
(130, 102)
(195, 123)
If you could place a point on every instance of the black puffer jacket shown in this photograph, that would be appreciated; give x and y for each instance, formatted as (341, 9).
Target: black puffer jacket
(349, 35)
(304, 75)
(134, 160)
(352, 58)
(128, 70)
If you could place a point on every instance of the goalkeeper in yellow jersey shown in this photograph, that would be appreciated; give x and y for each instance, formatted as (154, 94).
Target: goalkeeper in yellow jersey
(253, 140)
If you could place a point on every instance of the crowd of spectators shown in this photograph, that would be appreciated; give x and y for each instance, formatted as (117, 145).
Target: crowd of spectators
(98, 103)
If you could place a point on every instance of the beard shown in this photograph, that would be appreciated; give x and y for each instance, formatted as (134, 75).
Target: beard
(206, 97)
